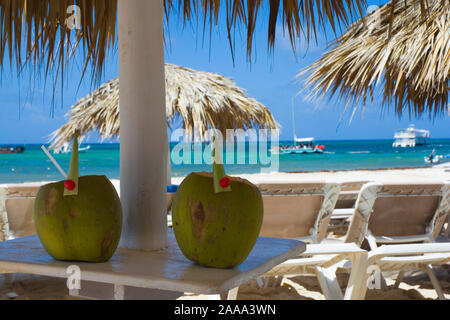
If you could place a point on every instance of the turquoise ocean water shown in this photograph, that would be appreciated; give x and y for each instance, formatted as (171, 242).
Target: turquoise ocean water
(33, 165)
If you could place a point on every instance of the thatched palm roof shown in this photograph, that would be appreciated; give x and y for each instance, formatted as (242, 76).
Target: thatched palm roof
(409, 56)
(203, 100)
(35, 32)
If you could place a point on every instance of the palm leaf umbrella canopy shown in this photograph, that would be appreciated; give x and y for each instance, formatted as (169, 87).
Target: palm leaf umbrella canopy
(203, 100)
(41, 26)
(409, 55)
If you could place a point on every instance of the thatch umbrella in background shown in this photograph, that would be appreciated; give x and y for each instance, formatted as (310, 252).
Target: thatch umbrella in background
(202, 100)
(33, 31)
(408, 55)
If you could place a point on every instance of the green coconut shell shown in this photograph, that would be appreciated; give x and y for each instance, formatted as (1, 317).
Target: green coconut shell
(216, 230)
(86, 227)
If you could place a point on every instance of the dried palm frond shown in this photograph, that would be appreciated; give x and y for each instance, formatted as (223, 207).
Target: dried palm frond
(202, 100)
(408, 56)
(34, 32)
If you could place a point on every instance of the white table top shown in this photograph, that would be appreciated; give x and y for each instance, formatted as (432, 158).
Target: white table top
(164, 270)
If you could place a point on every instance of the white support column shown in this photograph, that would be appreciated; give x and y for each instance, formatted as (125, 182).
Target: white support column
(169, 167)
(143, 130)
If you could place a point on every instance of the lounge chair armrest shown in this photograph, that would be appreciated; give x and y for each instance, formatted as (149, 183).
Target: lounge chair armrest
(345, 252)
(325, 256)
(343, 248)
(349, 194)
(342, 213)
(408, 249)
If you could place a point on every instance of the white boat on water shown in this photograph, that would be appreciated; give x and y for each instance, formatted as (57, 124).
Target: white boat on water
(411, 137)
(67, 148)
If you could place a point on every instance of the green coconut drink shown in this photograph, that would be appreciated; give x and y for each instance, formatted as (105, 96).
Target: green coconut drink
(217, 219)
(79, 219)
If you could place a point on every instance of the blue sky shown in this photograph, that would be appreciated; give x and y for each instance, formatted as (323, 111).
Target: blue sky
(26, 106)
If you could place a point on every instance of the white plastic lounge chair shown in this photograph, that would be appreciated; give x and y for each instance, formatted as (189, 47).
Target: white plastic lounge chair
(298, 211)
(323, 261)
(347, 199)
(16, 210)
(405, 257)
(341, 217)
(349, 194)
(384, 214)
(16, 214)
(303, 212)
(407, 216)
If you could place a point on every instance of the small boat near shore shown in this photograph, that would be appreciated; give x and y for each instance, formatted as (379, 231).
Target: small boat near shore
(11, 150)
(437, 159)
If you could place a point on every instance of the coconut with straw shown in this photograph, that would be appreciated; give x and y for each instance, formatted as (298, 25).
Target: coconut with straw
(80, 218)
(216, 218)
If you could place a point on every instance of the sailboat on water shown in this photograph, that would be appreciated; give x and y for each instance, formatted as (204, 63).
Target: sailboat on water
(301, 145)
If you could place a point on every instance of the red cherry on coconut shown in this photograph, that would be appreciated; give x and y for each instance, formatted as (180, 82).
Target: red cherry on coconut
(225, 182)
(69, 185)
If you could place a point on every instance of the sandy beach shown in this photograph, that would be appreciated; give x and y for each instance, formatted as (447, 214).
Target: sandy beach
(430, 174)
(416, 286)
